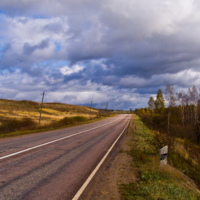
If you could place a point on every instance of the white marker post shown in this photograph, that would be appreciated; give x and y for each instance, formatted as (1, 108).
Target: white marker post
(163, 156)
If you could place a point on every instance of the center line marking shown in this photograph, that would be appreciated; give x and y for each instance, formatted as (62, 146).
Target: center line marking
(34, 147)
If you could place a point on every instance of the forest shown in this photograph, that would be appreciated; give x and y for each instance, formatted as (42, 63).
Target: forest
(181, 116)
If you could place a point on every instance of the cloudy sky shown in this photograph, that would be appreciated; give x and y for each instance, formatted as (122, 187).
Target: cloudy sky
(116, 51)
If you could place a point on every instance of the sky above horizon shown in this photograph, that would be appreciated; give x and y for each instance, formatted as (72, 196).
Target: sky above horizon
(116, 51)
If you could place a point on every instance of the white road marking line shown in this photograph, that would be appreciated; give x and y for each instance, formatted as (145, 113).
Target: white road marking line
(80, 191)
(34, 147)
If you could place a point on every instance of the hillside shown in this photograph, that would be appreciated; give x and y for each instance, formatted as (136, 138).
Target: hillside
(50, 111)
(22, 117)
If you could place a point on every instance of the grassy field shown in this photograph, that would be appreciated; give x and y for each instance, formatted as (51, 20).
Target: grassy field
(154, 181)
(50, 112)
(21, 117)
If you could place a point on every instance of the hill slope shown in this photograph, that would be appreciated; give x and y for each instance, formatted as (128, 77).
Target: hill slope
(22, 117)
(50, 112)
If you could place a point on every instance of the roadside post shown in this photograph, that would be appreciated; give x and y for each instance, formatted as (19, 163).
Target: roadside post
(41, 106)
(90, 108)
(163, 156)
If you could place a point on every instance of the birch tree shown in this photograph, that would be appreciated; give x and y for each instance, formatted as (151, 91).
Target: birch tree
(170, 96)
(160, 102)
(187, 102)
(194, 99)
(182, 99)
(151, 104)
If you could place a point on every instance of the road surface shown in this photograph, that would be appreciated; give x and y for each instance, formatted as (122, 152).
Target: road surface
(55, 164)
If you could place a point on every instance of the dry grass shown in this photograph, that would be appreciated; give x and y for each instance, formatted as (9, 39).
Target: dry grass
(22, 117)
(180, 148)
(10, 109)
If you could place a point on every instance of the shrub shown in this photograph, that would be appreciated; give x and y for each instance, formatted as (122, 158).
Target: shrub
(79, 118)
(13, 125)
(67, 121)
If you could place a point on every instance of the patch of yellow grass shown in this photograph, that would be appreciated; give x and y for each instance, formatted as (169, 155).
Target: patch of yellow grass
(180, 148)
(9, 115)
(55, 112)
(51, 111)
(92, 110)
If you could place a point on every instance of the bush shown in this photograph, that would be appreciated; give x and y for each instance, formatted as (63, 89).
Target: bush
(68, 121)
(80, 118)
(72, 120)
(13, 125)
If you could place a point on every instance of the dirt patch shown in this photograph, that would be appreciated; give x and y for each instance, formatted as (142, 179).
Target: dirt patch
(117, 169)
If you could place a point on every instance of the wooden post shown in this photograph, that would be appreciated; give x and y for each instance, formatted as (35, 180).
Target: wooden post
(107, 108)
(90, 108)
(41, 106)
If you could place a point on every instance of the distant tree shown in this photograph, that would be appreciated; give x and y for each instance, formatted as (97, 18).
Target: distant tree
(195, 99)
(160, 102)
(187, 103)
(197, 125)
(151, 104)
(194, 104)
(170, 96)
(146, 110)
(182, 98)
(142, 110)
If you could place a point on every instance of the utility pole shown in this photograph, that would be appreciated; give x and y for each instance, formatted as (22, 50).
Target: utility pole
(107, 108)
(90, 108)
(41, 106)
(100, 108)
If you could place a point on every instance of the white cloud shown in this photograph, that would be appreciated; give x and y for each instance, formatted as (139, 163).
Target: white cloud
(70, 70)
(183, 78)
(21, 31)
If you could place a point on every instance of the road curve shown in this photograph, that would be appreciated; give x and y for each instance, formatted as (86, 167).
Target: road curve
(61, 163)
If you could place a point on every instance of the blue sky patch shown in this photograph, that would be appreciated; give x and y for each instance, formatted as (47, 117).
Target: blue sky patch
(58, 47)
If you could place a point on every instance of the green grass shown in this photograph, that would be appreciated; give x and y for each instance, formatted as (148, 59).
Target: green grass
(154, 182)
(184, 152)
(159, 191)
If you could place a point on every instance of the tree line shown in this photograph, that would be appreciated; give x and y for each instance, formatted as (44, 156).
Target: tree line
(183, 109)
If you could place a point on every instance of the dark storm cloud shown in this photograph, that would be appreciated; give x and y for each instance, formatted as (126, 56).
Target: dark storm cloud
(54, 27)
(73, 76)
(133, 47)
(6, 48)
(28, 49)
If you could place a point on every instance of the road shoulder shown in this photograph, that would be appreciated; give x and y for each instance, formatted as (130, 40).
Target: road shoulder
(118, 169)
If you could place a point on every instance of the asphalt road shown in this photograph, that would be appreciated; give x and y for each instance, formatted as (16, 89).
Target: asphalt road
(60, 165)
